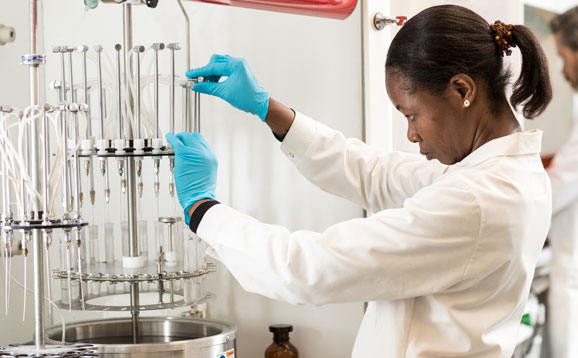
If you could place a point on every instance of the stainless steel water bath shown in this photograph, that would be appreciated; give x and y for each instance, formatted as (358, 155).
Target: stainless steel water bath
(160, 337)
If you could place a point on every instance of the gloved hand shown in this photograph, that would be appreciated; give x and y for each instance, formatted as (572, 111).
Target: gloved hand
(240, 89)
(195, 169)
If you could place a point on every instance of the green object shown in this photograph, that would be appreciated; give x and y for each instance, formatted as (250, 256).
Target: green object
(91, 4)
(526, 319)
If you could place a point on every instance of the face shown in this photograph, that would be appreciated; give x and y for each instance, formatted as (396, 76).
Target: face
(435, 121)
(570, 60)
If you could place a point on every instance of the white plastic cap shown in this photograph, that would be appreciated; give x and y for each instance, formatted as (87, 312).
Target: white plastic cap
(119, 144)
(87, 146)
(157, 145)
(133, 262)
(139, 145)
(101, 145)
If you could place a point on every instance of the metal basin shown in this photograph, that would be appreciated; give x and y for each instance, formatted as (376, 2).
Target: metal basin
(166, 337)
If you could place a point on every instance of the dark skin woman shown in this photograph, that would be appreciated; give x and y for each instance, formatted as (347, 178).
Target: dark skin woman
(446, 260)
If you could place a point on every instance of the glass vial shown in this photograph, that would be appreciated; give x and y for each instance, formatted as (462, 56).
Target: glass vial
(143, 233)
(108, 242)
(281, 347)
(91, 255)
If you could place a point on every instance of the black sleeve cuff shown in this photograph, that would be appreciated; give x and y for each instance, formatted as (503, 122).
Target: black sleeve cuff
(280, 138)
(199, 213)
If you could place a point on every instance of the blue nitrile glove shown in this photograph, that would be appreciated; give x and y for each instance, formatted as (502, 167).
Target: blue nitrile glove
(195, 169)
(240, 89)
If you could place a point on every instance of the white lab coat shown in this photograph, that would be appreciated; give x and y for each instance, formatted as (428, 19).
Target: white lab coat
(446, 261)
(563, 237)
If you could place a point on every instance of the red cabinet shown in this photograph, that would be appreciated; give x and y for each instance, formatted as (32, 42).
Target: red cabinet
(337, 9)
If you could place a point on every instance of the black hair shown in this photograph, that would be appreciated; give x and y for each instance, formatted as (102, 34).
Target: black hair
(566, 25)
(442, 41)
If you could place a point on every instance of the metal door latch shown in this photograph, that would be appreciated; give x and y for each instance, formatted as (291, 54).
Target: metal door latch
(380, 21)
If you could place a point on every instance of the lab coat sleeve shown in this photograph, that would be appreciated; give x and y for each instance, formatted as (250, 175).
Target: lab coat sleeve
(423, 247)
(563, 174)
(349, 168)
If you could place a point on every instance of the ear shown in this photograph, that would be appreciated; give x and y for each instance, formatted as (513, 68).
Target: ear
(462, 87)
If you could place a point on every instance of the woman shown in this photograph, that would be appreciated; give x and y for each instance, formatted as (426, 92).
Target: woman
(447, 260)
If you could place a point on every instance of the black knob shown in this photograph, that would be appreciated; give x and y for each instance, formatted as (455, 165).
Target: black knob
(152, 3)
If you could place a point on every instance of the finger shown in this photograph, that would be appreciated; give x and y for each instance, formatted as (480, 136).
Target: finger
(202, 140)
(220, 58)
(174, 141)
(212, 88)
(212, 69)
(187, 138)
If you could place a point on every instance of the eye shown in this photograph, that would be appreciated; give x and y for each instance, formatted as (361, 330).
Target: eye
(410, 117)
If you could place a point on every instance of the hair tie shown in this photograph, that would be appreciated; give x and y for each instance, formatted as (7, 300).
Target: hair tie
(503, 36)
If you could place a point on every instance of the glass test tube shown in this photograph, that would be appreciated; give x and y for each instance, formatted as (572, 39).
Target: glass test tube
(109, 242)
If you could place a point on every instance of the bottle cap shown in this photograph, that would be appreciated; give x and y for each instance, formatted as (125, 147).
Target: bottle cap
(280, 328)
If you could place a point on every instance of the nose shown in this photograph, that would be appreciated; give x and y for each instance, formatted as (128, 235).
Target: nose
(412, 134)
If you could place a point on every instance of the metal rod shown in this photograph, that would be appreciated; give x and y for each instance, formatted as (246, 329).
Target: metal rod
(118, 47)
(127, 65)
(187, 45)
(83, 49)
(46, 159)
(173, 47)
(65, 171)
(70, 75)
(197, 112)
(156, 93)
(66, 194)
(76, 160)
(98, 50)
(34, 69)
(137, 50)
(46, 218)
(77, 217)
(23, 186)
(133, 240)
(157, 47)
(187, 103)
(131, 182)
(63, 50)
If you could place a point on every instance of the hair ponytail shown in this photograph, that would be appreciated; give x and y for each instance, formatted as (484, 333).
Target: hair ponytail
(532, 89)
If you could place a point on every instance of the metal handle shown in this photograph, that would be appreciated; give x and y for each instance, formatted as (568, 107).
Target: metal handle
(380, 21)
(118, 47)
(98, 50)
(137, 51)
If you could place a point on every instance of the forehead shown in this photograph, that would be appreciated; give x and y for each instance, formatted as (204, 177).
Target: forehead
(403, 95)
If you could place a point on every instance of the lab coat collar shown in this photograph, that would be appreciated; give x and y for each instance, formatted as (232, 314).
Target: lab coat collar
(521, 143)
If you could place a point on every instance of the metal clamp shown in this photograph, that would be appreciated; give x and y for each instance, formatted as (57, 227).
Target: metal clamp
(32, 59)
(380, 21)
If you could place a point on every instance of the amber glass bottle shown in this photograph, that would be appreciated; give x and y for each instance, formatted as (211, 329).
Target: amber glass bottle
(281, 347)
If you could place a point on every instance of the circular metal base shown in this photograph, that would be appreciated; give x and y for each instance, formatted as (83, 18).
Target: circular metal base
(114, 303)
(160, 337)
(102, 273)
(67, 351)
